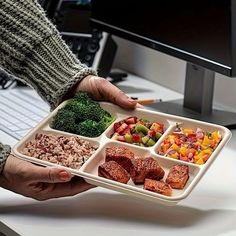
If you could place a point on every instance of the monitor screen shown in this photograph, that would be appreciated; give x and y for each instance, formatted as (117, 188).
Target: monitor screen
(74, 16)
(198, 31)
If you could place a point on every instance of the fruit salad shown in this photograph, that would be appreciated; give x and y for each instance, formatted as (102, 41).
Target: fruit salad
(140, 132)
(189, 145)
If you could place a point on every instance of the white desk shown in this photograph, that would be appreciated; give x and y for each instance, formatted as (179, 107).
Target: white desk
(209, 210)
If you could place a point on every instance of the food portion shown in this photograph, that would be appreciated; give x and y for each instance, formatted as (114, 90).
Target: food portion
(70, 152)
(158, 187)
(122, 165)
(178, 176)
(82, 116)
(112, 170)
(195, 146)
(137, 131)
(122, 155)
(143, 168)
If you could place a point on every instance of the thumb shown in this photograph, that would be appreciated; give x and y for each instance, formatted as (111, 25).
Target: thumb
(113, 94)
(51, 175)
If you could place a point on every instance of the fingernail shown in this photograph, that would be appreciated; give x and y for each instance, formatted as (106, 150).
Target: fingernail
(63, 175)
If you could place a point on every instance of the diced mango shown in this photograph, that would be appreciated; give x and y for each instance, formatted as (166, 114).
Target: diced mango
(175, 147)
(165, 147)
(216, 136)
(188, 131)
(206, 142)
(183, 151)
(200, 161)
(198, 156)
(174, 155)
(207, 151)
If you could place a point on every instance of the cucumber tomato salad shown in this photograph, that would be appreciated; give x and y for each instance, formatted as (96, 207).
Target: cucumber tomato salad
(137, 131)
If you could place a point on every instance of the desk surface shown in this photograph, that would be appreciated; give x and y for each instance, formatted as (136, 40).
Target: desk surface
(209, 210)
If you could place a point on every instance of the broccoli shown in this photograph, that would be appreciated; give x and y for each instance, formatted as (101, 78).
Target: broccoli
(84, 98)
(83, 116)
(107, 119)
(90, 128)
(64, 120)
(85, 109)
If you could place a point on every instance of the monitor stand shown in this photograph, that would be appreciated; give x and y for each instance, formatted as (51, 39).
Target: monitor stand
(198, 97)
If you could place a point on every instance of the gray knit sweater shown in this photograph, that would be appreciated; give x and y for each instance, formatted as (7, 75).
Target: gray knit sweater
(32, 50)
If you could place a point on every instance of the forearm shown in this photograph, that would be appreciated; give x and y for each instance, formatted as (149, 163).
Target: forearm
(32, 50)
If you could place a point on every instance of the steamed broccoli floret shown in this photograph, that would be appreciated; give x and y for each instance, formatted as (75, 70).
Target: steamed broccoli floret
(82, 116)
(90, 128)
(85, 108)
(83, 97)
(107, 119)
(64, 120)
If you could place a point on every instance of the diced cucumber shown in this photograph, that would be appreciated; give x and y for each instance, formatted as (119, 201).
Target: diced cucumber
(158, 135)
(128, 138)
(141, 128)
(150, 142)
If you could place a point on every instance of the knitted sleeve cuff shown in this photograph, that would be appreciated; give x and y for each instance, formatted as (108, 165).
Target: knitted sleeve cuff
(52, 69)
(4, 153)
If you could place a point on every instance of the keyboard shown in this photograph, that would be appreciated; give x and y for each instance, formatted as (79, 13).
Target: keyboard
(20, 111)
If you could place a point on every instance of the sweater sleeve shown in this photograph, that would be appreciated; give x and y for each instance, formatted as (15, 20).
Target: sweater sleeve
(32, 50)
(4, 153)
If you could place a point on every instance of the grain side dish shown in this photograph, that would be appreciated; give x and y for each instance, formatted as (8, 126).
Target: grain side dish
(70, 152)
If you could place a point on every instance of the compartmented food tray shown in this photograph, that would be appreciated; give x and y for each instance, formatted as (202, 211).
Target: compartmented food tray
(146, 154)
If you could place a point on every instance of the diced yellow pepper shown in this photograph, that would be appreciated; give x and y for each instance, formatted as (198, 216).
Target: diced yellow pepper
(207, 151)
(174, 155)
(188, 131)
(175, 147)
(155, 127)
(206, 142)
(216, 136)
(172, 139)
(198, 156)
(200, 161)
(183, 151)
(165, 147)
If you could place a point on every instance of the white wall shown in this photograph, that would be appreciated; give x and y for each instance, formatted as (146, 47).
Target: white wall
(168, 71)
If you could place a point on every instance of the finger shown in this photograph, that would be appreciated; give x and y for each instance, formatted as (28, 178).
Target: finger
(64, 189)
(138, 105)
(50, 175)
(113, 94)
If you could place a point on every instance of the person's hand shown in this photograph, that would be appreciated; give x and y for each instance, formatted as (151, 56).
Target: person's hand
(40, 183)
(101, 89)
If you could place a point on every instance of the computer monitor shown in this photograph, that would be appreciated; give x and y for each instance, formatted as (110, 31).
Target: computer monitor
(201, 32)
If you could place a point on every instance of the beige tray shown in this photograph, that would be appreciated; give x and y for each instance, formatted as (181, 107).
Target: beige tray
(89, 171)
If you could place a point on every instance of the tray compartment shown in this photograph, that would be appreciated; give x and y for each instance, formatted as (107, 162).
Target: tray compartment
(192, 142)
(141, 128)
(90, 172)
(57, 149)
